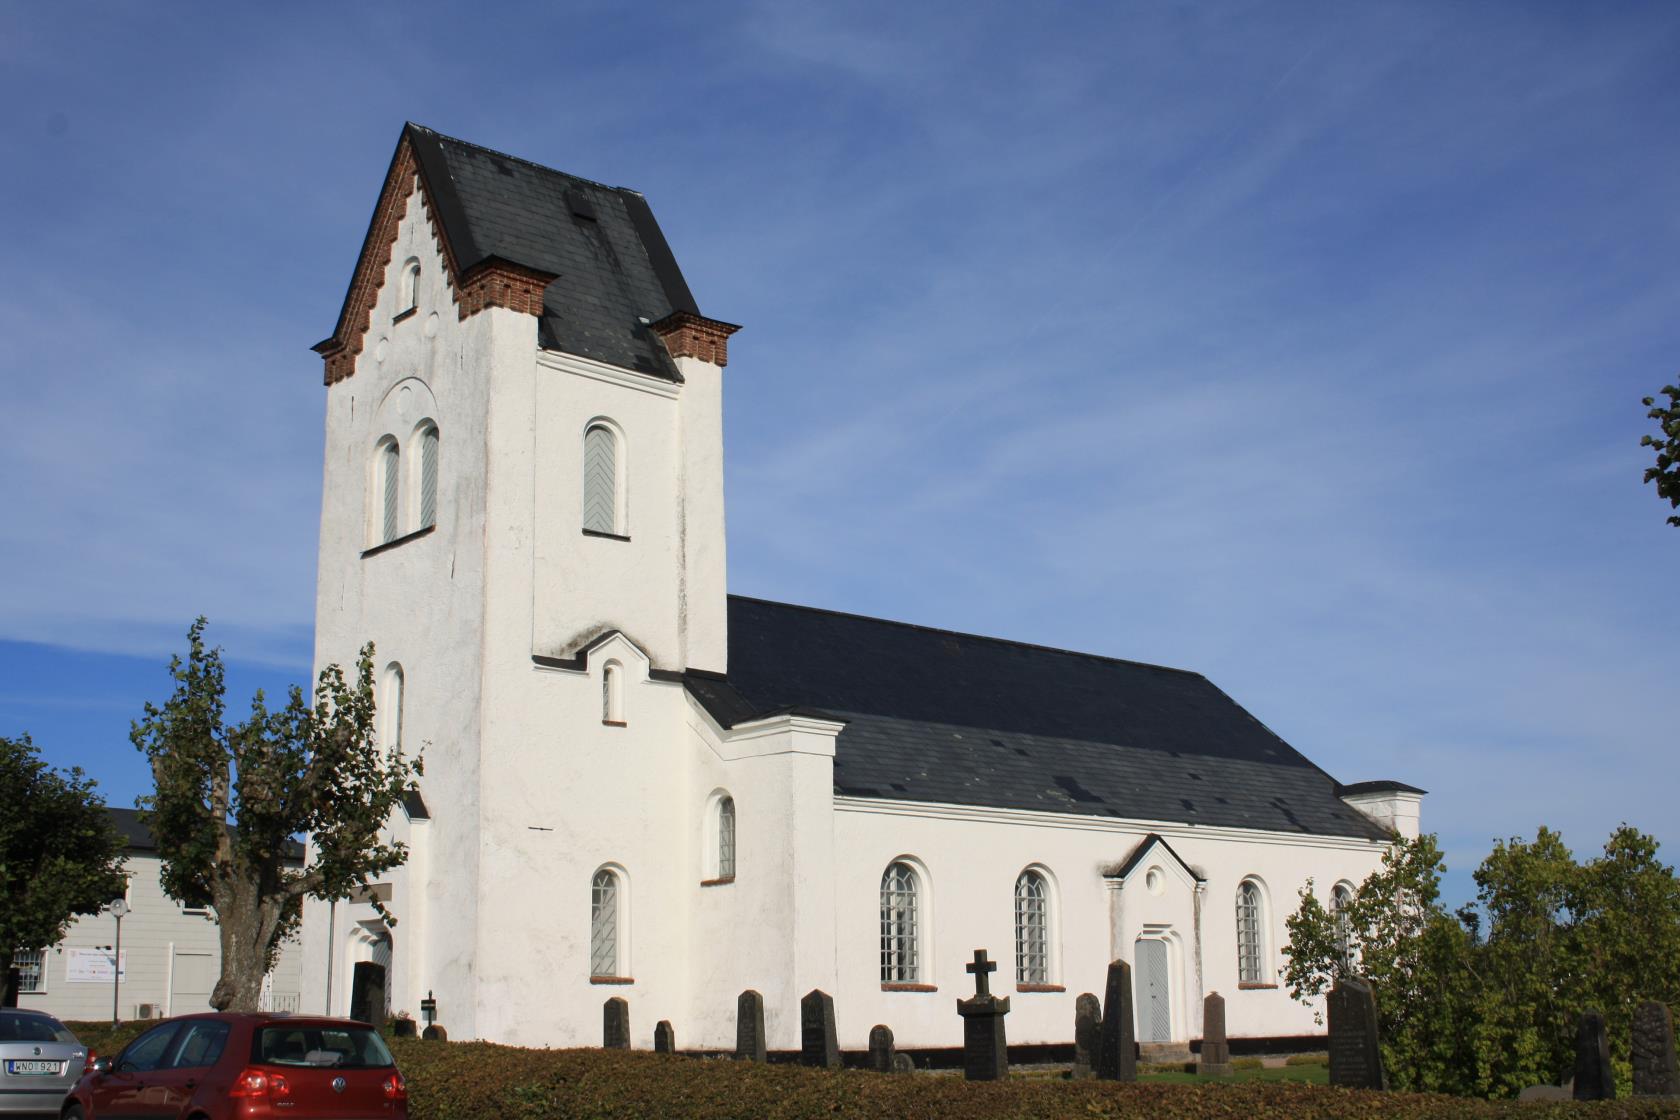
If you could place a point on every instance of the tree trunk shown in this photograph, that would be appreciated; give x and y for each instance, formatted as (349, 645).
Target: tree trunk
(8, 980)
(248, 927)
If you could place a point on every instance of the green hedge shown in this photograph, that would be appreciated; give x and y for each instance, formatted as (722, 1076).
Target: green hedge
(472, 1080)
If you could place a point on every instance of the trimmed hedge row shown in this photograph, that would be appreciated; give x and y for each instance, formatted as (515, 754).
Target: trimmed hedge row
(471, 1080)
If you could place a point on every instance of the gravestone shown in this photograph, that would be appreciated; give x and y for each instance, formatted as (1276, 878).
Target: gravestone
(985, 1050)
(1655, 1073)
(749, 1028)
(903, 1063)
(1594, 1079)
(664, 1038)
(881, 1052)
(402, 1027)
(615, 1023)
(1216, 1051)
(817, 1043)
(1087, 1033)
(1117, 1041)
(1355, 1057)
(435, 1033)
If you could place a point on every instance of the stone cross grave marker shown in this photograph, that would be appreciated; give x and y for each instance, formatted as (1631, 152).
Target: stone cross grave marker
(1117, 1042)
(1655, 1072)
(1594, 1079)
(985, 1050)
(664, 1038)
(615, 1024)
(1355, 1057)
(749, 1028)
(1087, 1033)
(817, 1043)
(1216, 1050)
(881, 1048)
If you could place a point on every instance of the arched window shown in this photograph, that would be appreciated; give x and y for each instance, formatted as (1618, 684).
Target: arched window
(612, 693)
(600, 480)
(427, 476)
(603, 924)
(1341, 897)
(901, 958)
(410, 294)
(1250, 933)
(1032, 928)
(391, 708)
(387, 476)
(726, 838)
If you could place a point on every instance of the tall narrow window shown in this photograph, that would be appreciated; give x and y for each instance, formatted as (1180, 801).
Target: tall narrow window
(726, 838)
(388, 491)
(391, 707)
(600, 480)
(410, 295)
(612, 694)
(1032, 929)
(428, 476)
(1249, 942)
(1340, 899)
(603, 924)
(900, 950)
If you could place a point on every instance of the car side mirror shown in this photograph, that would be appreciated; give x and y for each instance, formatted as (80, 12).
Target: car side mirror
(101, 1065)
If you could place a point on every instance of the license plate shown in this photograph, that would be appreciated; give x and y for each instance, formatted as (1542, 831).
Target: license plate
(49, 1069)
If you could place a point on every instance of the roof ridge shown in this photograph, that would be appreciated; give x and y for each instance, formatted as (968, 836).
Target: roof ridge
(974, 637)
(520, 159)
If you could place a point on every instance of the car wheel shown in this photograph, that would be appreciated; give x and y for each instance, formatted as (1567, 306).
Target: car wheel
(74, 1112)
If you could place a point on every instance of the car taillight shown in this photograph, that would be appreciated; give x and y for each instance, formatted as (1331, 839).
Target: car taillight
(396, 1089)
(253, 1082)
(89, 1063)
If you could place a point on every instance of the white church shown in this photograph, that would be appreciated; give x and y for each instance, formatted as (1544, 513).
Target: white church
(639, 785)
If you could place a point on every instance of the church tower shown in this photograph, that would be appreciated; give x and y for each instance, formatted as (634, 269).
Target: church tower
(523, 509)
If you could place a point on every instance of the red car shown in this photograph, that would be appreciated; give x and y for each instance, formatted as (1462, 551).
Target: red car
(227, 1066)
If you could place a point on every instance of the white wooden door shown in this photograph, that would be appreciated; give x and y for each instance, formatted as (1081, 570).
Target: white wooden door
(1154, 991)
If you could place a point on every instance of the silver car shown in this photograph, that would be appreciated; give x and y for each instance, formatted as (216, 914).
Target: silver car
(40, 1061)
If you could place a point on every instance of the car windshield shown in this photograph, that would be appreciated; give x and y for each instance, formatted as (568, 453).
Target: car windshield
(323, 1045)
(32, 1028)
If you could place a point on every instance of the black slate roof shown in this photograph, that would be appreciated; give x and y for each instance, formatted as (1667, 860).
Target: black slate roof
(932, 715)
(613, 271)
(138, 838)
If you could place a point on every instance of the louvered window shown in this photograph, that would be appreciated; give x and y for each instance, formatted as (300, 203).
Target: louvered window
(1032, 929)
(392, 705)
(600, 480)
(428, 477)
(411, 285)
(726, 838)
(603, 925)
(388, 492)
(900, 951)
(1249, 942)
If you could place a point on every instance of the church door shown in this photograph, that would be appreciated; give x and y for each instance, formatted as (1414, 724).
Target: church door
(367, 993)
(1154, 1007)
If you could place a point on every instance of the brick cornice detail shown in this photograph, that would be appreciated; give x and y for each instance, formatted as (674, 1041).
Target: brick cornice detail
(497, 283)
(687, 335)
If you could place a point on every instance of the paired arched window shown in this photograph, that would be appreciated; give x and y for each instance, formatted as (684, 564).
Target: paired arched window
(409, 297)
(726, 838)
(405, 501)
(605, 912)
(1032, 928)
(390, 710)
(602, 509)
(1251, 940)
(901, 957)
(387, 485)
(612, 693)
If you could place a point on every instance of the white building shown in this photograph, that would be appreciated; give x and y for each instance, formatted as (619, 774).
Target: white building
(170, 955)
(642, 786)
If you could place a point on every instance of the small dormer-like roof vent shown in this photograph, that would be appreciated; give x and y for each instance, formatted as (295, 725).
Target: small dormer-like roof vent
(581, 207)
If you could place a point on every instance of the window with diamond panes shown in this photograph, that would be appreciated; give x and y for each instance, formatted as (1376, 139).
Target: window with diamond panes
(1032, 929)
(1340, 899)
(603, 925)
(1249, 942)
(900, 951)
(726, 838)
(600, 481)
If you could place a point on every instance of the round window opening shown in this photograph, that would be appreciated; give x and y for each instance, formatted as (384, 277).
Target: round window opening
(1155, 882)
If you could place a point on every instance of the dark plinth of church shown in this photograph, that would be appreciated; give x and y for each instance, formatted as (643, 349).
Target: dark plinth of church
(1594, 1079)
(1216, 1050)
(749, 1028)
(1117, 1041)
(1355, 1052)
(985, 1049)
(664, 1038)
(818, 1045)
(615, 1024)
(1655, 1072)
(881, 1050)
(1087, 1035)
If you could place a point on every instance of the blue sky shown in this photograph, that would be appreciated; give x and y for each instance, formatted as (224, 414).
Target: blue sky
(1297, 343)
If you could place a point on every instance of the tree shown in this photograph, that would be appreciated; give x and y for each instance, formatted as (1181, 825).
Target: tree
(231, 799)
(1666, 474)
(60, 856)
